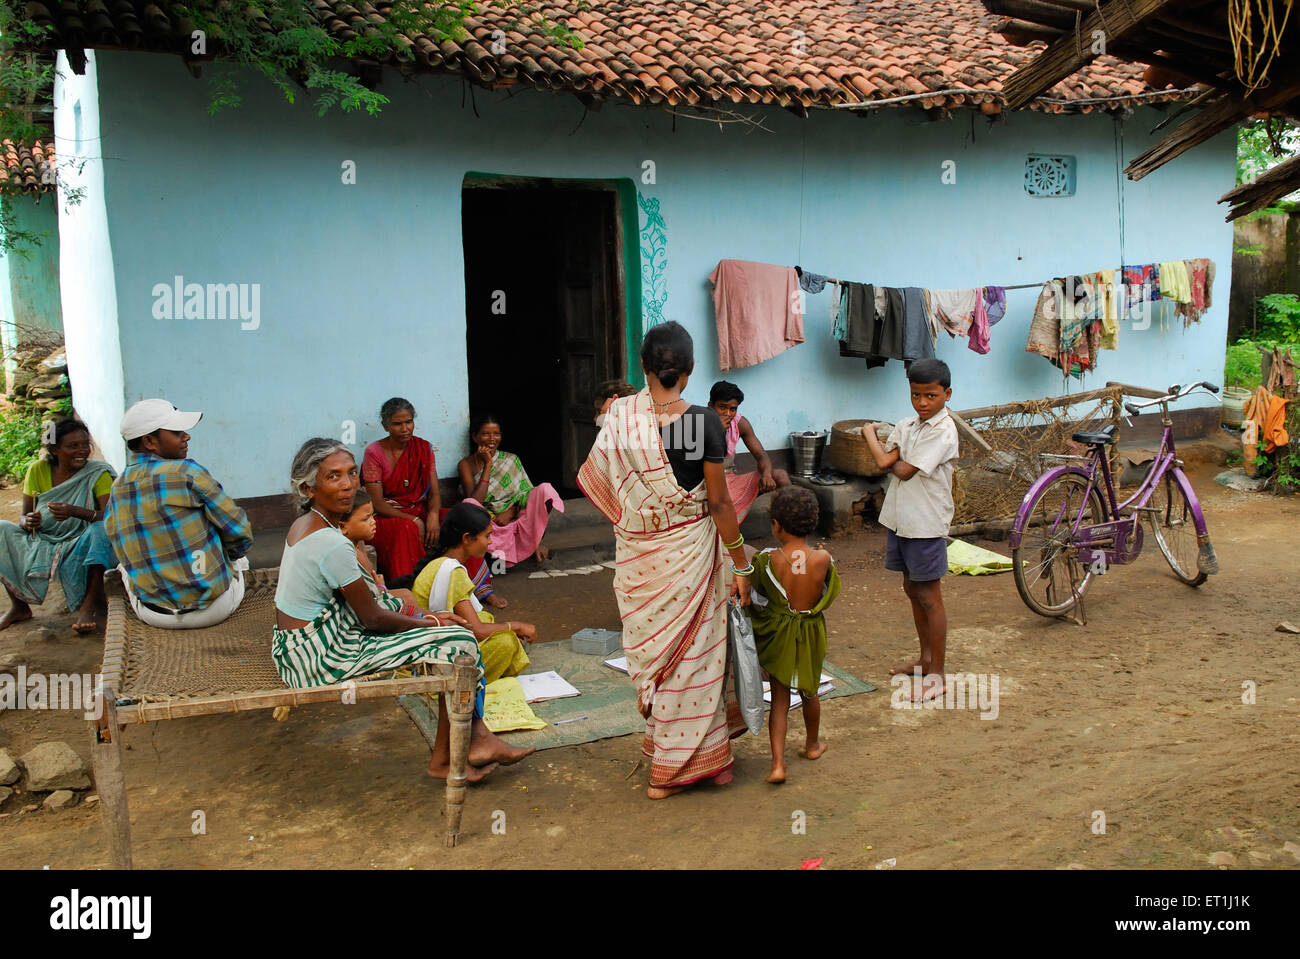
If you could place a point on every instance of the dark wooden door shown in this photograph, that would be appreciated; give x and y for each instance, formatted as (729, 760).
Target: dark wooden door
(591, 317)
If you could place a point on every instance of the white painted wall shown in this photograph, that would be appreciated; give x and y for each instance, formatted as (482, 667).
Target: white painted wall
(86, 270)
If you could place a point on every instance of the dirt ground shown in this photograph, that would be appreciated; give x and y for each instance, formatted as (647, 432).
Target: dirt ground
(1139, 714)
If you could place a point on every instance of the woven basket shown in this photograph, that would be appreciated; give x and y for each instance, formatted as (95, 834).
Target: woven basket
(849, 452)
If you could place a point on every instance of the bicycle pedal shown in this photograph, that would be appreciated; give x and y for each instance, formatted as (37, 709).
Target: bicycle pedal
(1206, 561)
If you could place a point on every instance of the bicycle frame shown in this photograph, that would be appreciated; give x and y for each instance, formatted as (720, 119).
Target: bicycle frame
(1117, 540)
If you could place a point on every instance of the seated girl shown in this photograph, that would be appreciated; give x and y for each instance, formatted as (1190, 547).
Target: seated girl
(60, 531)
(725, 399)
(496, 480)
(793, 585)
(330, 626)
(444, 583)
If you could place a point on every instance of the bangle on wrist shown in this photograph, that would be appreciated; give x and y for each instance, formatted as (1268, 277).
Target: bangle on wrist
(740, 541)
(745, 571)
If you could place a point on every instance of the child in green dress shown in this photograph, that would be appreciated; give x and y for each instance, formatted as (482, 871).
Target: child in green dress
(793, 586)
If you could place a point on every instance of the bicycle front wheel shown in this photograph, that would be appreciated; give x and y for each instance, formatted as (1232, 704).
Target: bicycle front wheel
(1049, 576)
(1175, 529)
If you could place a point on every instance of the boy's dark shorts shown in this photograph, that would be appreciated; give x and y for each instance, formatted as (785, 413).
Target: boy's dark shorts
(923, 560)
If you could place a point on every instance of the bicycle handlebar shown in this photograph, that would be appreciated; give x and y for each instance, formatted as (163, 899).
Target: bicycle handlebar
(1176, 392)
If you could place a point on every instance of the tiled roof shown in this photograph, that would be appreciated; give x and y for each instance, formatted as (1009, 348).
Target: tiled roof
(27, 169)
(800, 53)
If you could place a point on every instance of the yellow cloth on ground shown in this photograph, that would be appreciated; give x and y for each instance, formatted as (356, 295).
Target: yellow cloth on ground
(973, 560)
(503, 652)
(505, 707)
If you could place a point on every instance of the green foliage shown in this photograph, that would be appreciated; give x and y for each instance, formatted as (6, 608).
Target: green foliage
(1262, 144)
(1241, 365)
(20, 440)
(1279, 317)
(296, 54)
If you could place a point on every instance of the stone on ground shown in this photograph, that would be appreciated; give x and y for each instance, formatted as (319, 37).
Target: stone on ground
(52, 766)
(60, 799)
(9, 771)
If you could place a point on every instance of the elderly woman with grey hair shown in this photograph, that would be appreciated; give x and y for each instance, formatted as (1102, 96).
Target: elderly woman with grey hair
(330, 626)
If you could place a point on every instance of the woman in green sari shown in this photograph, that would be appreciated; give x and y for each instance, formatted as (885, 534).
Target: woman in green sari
(61, 530)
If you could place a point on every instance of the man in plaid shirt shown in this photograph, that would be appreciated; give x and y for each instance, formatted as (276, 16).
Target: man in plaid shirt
(179, 538)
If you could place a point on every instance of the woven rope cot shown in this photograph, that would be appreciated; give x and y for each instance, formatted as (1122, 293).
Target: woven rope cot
(152, 674)
(1009, 445)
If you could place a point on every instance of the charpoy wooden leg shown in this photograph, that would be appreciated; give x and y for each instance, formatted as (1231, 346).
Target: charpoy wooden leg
(460, 709)
(106, 760)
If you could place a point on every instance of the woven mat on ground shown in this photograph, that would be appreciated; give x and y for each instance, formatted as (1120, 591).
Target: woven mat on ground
(608, 700)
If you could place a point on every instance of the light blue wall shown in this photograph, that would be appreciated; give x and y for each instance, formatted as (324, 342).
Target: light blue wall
(362, 290)
(29, 280)
(34, 278)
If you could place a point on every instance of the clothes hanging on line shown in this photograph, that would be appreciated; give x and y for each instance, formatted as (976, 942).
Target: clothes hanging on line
(758, 311)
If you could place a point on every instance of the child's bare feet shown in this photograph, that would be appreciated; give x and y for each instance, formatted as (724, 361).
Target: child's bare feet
(813, 750)
(497, 602)
(543, 553)
(473, 774)
(777, 775)
(913, 667)
(931, 686)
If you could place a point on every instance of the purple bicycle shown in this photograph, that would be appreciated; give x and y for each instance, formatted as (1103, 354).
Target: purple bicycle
(1067, 532)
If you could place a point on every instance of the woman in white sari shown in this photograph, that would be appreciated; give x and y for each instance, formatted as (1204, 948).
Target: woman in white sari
(656, 473)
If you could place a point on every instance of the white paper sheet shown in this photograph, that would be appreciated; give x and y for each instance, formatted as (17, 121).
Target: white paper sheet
(549, 685)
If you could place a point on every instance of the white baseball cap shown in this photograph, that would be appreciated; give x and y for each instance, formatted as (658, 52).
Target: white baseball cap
(149, 415)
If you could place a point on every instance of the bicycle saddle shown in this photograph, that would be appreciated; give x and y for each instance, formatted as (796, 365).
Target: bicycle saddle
(1103, 438)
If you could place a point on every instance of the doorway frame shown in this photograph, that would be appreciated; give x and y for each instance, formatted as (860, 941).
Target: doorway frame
(627, 255)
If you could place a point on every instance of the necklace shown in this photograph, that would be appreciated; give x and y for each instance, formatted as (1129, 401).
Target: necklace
(322, 516)
(662, 406)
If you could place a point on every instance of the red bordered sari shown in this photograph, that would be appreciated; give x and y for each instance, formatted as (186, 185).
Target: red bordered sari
(406, 486)
(671, 587)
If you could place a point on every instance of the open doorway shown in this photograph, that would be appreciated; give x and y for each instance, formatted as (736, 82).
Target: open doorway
(545, 313)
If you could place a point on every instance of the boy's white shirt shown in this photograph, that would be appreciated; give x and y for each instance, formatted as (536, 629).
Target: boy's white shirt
(921, 507)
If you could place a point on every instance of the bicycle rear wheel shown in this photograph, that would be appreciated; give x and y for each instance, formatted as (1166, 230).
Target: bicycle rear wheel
(1049, 576)
(1175, 530)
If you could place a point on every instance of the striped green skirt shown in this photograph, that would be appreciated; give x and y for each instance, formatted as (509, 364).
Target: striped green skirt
(335, 646)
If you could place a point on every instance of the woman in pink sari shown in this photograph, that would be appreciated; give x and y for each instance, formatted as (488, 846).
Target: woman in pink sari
(401, 475)
(656, 473)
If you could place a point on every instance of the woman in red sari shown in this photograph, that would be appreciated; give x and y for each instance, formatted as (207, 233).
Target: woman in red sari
(401, 475)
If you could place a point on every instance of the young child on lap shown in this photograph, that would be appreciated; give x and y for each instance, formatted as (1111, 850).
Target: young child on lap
(359, 527)
(920, 455)
(792, 587)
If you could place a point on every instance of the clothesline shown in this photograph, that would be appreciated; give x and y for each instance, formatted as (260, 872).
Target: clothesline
(1018, 286)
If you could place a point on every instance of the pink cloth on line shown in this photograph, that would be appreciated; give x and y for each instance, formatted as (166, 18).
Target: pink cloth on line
(758, 311)
(979, 328)
(518, 539)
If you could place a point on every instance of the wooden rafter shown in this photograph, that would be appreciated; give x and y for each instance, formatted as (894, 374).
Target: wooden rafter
(1074, 50)
(1213, 120)
(1267, 188)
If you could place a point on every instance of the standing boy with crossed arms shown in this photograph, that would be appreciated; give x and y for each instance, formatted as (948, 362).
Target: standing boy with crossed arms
(920, 454)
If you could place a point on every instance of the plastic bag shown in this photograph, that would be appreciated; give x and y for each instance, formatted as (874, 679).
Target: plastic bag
(748, 675)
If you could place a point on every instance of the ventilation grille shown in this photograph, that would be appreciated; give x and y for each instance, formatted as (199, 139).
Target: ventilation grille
(1049, 175)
